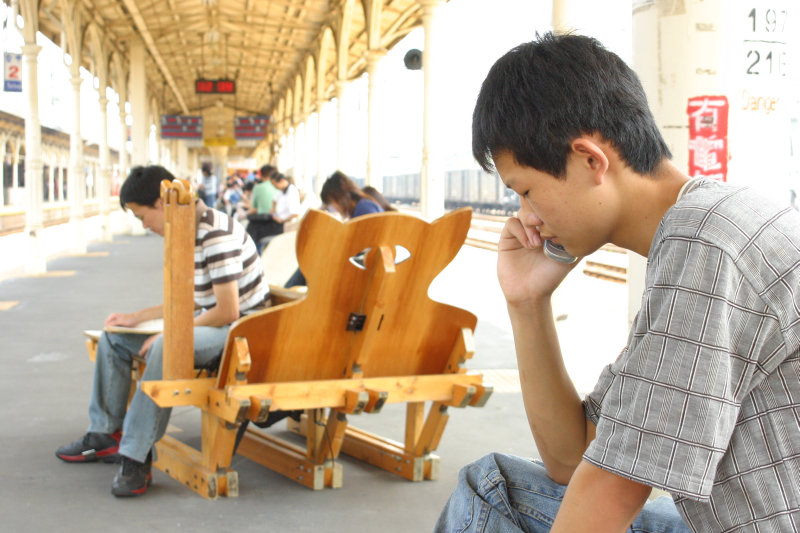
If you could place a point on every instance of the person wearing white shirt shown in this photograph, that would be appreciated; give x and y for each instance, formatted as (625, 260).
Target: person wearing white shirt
(287, 203)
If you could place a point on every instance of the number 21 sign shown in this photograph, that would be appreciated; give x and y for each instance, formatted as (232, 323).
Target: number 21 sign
(13, 71)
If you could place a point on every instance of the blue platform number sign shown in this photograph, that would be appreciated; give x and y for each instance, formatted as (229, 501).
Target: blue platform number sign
(12, 73)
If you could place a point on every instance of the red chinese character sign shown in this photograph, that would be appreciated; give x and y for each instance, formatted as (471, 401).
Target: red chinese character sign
(708, 137)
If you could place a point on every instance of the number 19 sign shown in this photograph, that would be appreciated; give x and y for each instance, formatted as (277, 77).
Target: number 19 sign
(13, 69)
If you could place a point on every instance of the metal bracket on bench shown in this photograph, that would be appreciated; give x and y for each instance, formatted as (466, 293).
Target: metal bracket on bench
(355, 322)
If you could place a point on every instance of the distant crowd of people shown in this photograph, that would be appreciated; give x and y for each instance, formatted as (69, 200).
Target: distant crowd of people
(264, 201)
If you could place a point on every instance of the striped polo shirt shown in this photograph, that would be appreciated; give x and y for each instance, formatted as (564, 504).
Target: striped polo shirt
(224, 252)
(704, 402)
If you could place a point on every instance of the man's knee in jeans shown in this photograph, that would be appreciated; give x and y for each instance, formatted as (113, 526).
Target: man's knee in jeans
(502, 492)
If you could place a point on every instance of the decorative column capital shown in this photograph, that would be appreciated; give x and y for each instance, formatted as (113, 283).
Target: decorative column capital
(373, 56)
(429, 5)
(30, 51)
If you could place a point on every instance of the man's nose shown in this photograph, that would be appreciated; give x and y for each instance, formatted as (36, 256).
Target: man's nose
(527, 215)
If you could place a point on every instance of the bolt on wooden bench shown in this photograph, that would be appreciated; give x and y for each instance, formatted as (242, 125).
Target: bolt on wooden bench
(364, 335)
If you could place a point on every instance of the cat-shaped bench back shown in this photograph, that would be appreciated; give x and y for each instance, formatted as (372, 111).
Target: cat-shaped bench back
(367, 311)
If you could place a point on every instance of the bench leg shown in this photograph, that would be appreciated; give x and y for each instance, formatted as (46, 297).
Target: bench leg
(313, 465)
(206, 472)
(413, 460)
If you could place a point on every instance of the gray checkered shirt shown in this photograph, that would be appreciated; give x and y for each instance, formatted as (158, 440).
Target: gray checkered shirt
(704, 402)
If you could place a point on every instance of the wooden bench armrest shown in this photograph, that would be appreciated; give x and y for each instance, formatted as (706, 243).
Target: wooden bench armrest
(281, 295)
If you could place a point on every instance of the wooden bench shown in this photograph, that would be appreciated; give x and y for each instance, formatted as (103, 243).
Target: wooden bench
(365, 334)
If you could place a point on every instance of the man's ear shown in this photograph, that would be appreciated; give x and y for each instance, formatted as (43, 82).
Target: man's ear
(591, 156)
(159, 203)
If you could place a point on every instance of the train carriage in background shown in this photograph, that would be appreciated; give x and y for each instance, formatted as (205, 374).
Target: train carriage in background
(485, 193)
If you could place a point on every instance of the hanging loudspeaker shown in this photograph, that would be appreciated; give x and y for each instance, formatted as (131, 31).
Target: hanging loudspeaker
(413, 59)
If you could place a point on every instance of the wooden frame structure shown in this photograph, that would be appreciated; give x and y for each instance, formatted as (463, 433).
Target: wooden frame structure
(364, 335)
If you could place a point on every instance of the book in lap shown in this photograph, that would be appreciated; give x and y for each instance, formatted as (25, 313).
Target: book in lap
(147, 327)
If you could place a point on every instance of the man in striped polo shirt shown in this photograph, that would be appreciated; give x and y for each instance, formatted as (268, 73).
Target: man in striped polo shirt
(704, 401)
(228, 283)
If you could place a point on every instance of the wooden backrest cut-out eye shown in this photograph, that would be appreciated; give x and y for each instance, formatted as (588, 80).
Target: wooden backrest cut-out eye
(359, 260)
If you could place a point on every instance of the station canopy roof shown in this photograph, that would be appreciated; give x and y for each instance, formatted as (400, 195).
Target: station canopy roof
(271, 49)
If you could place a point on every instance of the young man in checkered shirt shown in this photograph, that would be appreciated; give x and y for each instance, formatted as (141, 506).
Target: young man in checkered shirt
(704, 402)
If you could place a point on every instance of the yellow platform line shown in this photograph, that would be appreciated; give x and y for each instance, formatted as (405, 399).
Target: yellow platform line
(92, 254)
(53, 274)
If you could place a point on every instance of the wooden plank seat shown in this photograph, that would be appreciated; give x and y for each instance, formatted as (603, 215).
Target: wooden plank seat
(365, 334)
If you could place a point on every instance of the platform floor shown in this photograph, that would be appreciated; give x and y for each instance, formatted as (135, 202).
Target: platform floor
(46, 382)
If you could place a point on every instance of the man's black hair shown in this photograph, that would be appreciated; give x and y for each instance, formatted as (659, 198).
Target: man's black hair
(542, 95)
(143, 185)
(266, 171)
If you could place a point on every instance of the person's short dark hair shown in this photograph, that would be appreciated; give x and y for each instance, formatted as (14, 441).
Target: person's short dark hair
(542, 95)
(143, 185)
(267, 171)
(249, 186)
(205, 168)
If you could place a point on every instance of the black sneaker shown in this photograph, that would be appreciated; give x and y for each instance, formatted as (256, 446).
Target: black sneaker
(91, 447)
(133, 477)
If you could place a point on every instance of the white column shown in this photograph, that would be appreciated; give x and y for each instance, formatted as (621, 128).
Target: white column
(298, 153)
(732, 48)
(36, 261)
(123, 148)
(77, 177)
(103, 179)
(182, 159)
(562, 15)
(432, 172)
(340, 86)
(372, 57)
(320, 177)
(307, 153)
(140, 131)
(3, 141)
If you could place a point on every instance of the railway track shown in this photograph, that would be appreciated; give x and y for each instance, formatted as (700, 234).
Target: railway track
(610, 263)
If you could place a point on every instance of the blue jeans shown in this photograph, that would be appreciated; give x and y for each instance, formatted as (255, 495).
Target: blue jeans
(504, 493)
(144, 423)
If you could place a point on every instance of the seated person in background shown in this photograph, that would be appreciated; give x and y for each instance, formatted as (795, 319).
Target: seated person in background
(259, 208)
(208, 185)
(229, 283)
(244, 203)
(287, 202)
(342, 194)
(378, 198)
(285, 207)
(232, 195)
(264, 192)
